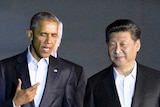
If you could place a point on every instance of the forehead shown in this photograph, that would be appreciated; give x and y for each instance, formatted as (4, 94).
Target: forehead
(120, 35)
(46, 22)
(47, 26)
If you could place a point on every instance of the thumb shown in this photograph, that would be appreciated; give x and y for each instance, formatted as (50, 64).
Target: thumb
(19, 84)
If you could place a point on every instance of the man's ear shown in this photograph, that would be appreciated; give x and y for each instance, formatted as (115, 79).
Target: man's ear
(29, 34)
(138, 45)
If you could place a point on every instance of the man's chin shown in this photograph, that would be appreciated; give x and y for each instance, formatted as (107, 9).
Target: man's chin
(118, 64)
(45, 55)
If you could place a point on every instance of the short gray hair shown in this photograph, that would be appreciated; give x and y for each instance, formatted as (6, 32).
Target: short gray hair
(42, 16)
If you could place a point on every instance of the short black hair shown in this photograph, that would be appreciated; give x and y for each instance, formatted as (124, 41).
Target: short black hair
(123, 25)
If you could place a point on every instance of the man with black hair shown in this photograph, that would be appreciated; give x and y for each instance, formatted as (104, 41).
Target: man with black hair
(125, 83)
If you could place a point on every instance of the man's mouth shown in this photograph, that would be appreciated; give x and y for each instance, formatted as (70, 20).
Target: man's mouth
(46, 49)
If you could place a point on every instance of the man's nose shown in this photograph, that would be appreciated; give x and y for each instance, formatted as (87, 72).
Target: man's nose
(48, 39)
(117, 49)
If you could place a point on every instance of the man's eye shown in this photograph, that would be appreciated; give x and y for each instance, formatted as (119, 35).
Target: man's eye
(43, 34)
(112, 44)
(123, 44)
(54, 35)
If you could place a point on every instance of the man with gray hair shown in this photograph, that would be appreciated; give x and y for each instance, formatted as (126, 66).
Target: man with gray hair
(38, 77)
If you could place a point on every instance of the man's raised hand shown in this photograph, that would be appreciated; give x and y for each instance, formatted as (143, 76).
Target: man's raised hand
(24, 96)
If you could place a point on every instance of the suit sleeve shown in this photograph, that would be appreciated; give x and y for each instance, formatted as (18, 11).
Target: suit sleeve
(75, 88)
(89, 98)
(3, 101)
(80, 90)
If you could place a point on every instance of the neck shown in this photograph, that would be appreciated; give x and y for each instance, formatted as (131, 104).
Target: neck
(125, 70)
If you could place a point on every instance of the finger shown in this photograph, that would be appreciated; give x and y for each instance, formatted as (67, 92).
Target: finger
(19, 84)
(34, 87)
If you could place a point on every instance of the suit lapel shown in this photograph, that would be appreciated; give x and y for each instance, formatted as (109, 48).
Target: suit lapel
(23, 74)
(110, 87)
(22, 69)
(139, 86)
(53, 72)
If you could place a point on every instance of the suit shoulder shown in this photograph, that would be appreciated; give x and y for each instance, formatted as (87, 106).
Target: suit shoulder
(148, 69)
(69, 63)
(13, 58)
(96, 78)
(10, 59)
(149, 72)
(73, 69)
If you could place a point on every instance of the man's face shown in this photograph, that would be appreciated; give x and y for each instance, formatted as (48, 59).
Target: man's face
(123, 49)
(43, 39)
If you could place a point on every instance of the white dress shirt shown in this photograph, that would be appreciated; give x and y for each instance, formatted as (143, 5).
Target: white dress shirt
(37, 73)
(125, 86)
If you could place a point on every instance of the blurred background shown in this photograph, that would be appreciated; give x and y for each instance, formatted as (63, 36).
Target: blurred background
(84, 23)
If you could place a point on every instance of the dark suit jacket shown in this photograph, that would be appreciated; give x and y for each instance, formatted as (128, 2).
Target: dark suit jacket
(101, 89)
(64, 88)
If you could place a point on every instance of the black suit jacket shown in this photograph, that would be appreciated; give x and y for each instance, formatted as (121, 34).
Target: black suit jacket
(101, 89)
(64, 88)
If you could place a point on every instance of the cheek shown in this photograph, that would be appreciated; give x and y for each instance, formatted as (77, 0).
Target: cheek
(130, 52)
(111, 49)
(54, 42)
(37, 43)
(110, 52)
